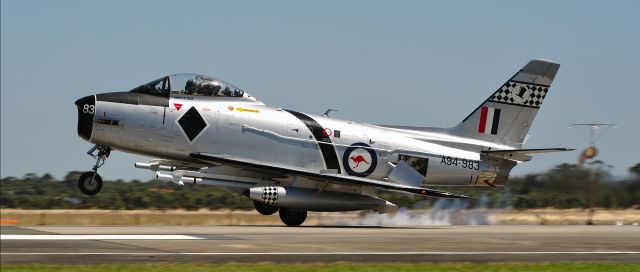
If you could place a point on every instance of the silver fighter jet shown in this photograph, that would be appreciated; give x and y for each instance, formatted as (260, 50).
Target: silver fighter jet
(203, 130)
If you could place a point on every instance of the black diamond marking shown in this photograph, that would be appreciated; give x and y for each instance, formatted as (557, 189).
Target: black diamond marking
(192, 123)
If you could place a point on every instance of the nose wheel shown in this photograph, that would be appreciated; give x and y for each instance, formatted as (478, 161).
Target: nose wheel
(90, 183)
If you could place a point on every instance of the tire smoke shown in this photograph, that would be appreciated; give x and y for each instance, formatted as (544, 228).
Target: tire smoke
(443, 212)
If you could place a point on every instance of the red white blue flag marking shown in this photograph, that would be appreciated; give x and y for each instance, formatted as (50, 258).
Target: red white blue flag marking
(489, 120)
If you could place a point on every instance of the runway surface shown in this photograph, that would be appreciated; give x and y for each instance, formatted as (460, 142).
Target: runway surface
(81, 244)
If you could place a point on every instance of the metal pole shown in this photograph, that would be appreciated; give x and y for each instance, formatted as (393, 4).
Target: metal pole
(591, 187)
(592, 182)
(591, 194)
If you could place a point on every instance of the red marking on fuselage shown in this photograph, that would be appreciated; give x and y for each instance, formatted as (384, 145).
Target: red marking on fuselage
(358, 159)
(178, 106)
(327, 132)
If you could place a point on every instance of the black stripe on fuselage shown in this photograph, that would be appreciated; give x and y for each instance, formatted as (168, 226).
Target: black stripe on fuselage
(326, 146)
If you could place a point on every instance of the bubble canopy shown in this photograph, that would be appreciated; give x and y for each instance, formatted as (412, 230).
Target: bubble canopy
(191, 84)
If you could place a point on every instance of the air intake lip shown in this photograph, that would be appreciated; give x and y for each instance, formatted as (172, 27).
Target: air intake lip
(86, 107)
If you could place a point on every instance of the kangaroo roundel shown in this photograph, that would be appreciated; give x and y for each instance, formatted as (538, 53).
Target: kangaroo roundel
(360, 160)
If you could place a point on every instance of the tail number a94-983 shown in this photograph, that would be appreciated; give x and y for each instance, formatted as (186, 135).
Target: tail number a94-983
(463, 163)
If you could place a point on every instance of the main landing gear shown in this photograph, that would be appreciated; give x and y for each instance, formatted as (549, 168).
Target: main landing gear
(292, 217)
(265, 209)
(90, 183)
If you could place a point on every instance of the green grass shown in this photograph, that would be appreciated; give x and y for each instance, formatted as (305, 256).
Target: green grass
(327, 267)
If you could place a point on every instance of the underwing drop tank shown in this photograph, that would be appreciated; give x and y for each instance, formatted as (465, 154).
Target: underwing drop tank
(315, 200)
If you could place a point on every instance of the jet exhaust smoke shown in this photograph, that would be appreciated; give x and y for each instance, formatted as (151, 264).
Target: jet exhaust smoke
(443, 212)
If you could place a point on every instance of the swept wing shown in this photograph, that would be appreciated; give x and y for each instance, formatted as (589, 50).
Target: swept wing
(320, 176)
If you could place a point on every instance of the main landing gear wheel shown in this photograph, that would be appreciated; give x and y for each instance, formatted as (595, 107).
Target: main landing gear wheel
(291, 217)
(265, 209)
(90, 183)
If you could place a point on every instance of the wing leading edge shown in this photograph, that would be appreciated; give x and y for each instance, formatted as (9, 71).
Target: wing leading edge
(333, 177)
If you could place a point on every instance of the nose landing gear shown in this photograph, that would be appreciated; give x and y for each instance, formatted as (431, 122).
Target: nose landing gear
(90, 183)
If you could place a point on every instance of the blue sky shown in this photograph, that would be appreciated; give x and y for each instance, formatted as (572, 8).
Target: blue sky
(395, 62)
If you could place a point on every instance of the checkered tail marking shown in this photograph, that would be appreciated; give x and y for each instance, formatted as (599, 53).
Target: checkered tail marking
(524, 94)
(270, 195)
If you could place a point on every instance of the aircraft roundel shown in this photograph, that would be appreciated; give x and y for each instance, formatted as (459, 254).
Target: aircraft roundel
(359, 160)
(327, 132)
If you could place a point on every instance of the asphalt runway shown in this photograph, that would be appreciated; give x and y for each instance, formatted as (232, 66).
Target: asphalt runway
(127, 244)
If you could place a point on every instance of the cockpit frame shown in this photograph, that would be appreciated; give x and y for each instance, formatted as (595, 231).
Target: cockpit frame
(192, 85)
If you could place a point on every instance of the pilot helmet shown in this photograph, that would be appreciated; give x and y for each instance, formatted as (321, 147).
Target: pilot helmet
(190, 86)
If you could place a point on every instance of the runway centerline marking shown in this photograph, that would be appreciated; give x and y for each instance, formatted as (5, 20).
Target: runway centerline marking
(331, 253)
(95, 237)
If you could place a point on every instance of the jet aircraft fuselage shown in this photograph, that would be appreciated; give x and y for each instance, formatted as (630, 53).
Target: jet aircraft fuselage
(204, 130)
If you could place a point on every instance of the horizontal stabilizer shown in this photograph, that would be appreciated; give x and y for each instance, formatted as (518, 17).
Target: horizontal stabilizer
(522, 154)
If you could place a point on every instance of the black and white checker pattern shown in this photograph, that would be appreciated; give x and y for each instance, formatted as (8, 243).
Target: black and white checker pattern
(270, 195)
(517, 93)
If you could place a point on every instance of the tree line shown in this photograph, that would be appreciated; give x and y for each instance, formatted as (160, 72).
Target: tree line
(564, 186)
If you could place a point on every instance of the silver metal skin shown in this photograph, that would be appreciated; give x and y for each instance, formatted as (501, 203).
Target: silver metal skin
(311, 200)
(310, 159)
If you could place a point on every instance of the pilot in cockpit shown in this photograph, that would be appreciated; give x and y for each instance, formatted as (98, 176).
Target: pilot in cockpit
(190, 87)
(209, 88)
(226, 92)
(203, 88)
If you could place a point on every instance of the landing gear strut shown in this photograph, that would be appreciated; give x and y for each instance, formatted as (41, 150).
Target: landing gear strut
(90, 183)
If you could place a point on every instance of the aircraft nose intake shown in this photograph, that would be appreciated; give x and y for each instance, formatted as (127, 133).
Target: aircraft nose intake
(86, 111)
(81, 101)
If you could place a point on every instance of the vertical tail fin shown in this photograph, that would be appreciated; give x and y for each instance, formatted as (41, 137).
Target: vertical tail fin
(505, 117)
